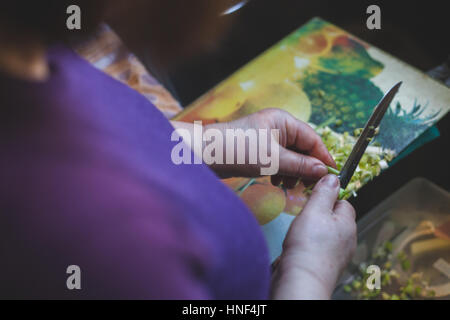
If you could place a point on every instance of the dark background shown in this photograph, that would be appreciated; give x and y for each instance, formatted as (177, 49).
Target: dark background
(415, 32)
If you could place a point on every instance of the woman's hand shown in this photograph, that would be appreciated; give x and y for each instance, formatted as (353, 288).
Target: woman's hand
(318, 246)
(322, 239)
(302, 153)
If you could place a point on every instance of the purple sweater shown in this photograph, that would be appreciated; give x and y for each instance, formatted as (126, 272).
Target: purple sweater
(86, 179)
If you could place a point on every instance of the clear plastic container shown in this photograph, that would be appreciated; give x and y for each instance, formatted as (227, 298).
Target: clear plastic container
(408, 237)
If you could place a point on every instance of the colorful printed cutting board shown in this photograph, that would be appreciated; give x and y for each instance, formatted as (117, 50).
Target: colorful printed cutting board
(320, 74)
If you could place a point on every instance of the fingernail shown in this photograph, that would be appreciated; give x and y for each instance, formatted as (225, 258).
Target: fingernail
(331, 180)
(320, 170)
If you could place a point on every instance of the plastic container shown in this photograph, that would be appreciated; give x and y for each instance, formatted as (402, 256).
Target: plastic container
(414, 223)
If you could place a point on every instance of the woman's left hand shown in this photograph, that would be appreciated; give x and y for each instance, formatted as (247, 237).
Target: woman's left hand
(301, 152)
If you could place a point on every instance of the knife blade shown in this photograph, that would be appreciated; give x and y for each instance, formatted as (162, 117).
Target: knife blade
(366, 136)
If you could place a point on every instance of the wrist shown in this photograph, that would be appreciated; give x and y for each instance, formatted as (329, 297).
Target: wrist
(220, 167)
(303, 276)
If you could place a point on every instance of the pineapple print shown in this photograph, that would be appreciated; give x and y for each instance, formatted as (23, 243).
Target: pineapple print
(399, 126)
(345, 102)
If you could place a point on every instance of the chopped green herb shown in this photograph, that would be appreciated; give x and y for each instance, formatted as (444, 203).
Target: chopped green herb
(388, 246)
(357, 132)
(406, 265)
(347, 288)
(356, 284)
(333, 171)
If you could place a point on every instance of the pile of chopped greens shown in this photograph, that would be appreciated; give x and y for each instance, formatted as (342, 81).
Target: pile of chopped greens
(340, 146)
(394, 287)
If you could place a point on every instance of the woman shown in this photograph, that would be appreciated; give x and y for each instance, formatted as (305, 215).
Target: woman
(87, 180)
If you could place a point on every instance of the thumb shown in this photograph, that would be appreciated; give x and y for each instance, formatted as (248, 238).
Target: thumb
(324, 195)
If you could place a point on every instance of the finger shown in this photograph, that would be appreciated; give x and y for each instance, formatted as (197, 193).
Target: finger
(306, 140)
(324, 195)
(343, 207)
(276, 180)
(298, 165)
(290, 182)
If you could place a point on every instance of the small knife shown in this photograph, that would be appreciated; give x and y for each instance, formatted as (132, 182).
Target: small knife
(366, 136)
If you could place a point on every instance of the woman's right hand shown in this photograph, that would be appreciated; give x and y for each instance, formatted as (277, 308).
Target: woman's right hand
(318, 246)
